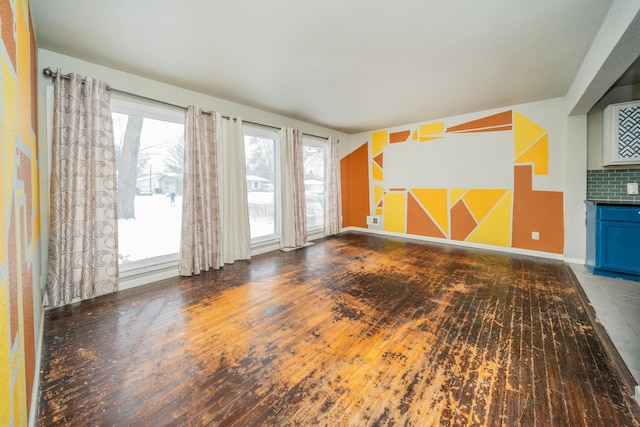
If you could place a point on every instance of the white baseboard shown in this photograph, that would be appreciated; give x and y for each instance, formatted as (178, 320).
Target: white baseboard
(35, 389)
(515, 251)
(143, 279)
(575, 261)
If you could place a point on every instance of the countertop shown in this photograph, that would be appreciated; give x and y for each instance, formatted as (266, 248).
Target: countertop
(612, 203)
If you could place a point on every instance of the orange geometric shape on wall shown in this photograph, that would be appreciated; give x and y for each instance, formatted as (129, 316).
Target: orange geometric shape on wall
(493, 129)
(6, 17)
(434, 201)
(462, 222)
(495, 122)
(376, 171)
(525, 133)
(480, 202)
(536, 211)
(399, 136)
(538, 154)
(419, 222)
(378, 141)
(378, 159)
(354, 180)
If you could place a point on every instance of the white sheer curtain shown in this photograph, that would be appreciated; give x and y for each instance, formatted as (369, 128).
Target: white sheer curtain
(83, 235)
(332, 188)
(200, 237)
(232, 185)
(294, 212)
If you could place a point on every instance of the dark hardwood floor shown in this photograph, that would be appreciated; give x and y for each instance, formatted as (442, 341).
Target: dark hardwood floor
(354, 330)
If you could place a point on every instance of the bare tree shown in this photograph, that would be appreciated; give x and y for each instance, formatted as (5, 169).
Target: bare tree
(174, 160)
(260, 158)
(313, 158)
(128, 168)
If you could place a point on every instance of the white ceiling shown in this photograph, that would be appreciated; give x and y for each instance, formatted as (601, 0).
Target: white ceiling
(350, 65)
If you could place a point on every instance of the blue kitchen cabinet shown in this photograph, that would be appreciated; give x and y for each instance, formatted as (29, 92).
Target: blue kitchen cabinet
(613, 240)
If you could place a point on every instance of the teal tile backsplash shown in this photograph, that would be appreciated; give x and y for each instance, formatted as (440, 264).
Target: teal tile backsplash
(610, 185)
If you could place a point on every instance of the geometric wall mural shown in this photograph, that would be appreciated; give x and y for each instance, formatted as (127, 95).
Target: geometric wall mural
(19, 229)
(497, 215)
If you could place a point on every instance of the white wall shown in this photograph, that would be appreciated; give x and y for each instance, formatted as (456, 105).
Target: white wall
(575, 192)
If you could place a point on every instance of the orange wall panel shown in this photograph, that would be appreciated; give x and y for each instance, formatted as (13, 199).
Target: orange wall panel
(354, 173)
(536, 211)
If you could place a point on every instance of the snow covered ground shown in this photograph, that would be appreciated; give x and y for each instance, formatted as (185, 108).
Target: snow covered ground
(156, 229)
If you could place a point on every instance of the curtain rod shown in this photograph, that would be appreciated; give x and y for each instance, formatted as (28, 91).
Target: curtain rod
(48, 72)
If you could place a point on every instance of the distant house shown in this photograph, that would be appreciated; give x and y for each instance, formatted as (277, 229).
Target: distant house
(146, 184)
(256, 183)
(159, 183)
(170, 183)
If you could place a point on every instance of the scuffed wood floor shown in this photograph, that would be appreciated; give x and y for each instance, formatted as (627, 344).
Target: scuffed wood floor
(354, 330)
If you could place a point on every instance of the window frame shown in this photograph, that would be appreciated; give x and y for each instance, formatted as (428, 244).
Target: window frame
(265, 132)
(317, 142)
(122, 104)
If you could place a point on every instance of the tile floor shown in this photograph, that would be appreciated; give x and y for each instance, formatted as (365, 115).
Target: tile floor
(617, 305)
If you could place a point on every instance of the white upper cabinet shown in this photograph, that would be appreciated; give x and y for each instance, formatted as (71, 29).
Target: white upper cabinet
(621, 139)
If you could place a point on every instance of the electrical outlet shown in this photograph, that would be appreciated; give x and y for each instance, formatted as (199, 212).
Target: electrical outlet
(373, 220)
(535, 235)
(632, 188)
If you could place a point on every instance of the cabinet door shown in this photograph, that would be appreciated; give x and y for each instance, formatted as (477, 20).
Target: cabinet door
(620, 139)
(619, 246)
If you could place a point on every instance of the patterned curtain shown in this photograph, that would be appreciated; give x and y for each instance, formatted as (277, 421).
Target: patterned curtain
(83, 236)
(294, 209)
(332, 188)
(200, 241)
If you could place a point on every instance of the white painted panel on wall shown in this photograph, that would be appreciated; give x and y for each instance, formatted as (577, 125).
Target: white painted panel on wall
(478, 160)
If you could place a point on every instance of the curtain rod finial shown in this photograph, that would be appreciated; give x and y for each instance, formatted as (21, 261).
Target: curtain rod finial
(47, 72)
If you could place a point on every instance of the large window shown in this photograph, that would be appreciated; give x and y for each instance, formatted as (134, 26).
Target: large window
(149, 157)
(314, 157)
(261, 154)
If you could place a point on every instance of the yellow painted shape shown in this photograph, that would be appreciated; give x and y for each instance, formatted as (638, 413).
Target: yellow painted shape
(480, 202)
(378, 211)
(395, 212)
(434, 201)
(376, 171)
(5, 369)
(378, 141)
(538, 154)
(430, 138)
(495, 229)
(9, 132)
(525, 133)
(415, 135)
(431, 129)
(378, 192)
(20, 392)
(455, 195)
